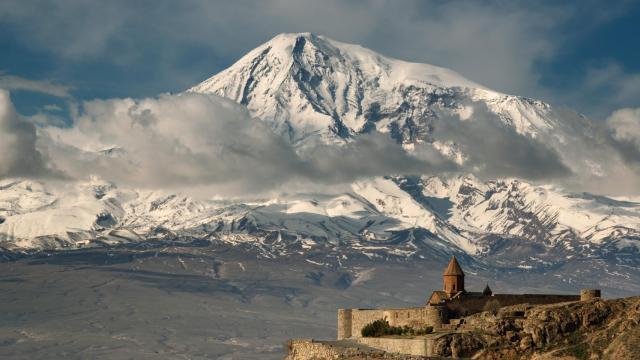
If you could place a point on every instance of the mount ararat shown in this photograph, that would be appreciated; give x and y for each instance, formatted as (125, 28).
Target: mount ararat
(505, 207)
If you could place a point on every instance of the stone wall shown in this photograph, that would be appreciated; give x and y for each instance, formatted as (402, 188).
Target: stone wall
(345, 317)
(588, 294)
(351, 321)
(301, 349)
(436, 315)
(421, 346)
(415, 317)
(362, 317)
(473, 304)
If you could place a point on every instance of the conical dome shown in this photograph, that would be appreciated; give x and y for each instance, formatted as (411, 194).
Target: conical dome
(454, 268)
(487, 291)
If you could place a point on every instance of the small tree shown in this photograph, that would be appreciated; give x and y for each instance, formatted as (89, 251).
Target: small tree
(376, 328)
(381, 327)
(423, 331)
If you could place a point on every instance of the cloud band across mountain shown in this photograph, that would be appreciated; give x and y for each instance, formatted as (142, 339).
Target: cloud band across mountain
(205, 140)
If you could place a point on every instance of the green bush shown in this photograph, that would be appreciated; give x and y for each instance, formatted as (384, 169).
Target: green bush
(381, 327)
(425, 330)
(376, 328)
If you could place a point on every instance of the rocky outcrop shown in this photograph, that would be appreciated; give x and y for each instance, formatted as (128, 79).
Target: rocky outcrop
(594, 329)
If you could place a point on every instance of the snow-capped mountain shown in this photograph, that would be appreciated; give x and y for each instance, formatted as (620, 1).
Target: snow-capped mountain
(399, 217)
(311, 87)
(315, 90)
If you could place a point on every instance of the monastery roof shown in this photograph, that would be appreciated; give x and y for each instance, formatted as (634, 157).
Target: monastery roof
(487, 290)
(443, 294)
(440, 296)
(454, 268)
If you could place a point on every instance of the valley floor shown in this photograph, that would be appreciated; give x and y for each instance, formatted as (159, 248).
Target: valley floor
(198, 301)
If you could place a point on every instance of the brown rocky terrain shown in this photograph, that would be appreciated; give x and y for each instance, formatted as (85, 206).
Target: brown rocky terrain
(594, 329)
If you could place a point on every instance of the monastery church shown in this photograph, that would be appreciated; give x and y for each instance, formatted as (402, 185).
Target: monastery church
(446, 308)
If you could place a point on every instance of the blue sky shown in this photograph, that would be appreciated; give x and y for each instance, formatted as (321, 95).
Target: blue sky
(581, 54)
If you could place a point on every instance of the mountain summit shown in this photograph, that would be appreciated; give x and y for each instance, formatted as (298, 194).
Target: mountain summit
(309, 88)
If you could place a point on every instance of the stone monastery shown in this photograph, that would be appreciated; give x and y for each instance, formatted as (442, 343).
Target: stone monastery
(446, 309)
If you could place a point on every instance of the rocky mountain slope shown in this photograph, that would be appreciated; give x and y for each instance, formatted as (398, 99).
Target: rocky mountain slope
(404, 217)
(313, 90)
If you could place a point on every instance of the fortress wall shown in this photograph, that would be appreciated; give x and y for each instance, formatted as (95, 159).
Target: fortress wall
(534, 299)
(473, 304)
(468, 305)
(406, 316)
(351, 321)
(301, 349)
(436, 315)
(588, 294)
(422, 347)
(361, 317)
(345, 317)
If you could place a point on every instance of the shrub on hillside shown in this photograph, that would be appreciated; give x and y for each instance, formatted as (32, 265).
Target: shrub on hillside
(381, 327)
(376, 328)
(425, 330)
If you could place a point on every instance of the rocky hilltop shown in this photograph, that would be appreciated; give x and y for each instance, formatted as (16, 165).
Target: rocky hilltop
(594, 329)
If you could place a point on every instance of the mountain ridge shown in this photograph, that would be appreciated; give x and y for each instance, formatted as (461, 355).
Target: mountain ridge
(330, 100)
(306, 84)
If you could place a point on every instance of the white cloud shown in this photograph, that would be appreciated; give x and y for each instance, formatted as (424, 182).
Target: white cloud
(11, 83)
(210, 145)
(625, 124)
(494, 150)
(616, 86)
(52, 107)
(601, 155)
(18, 153)
(204, 140)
